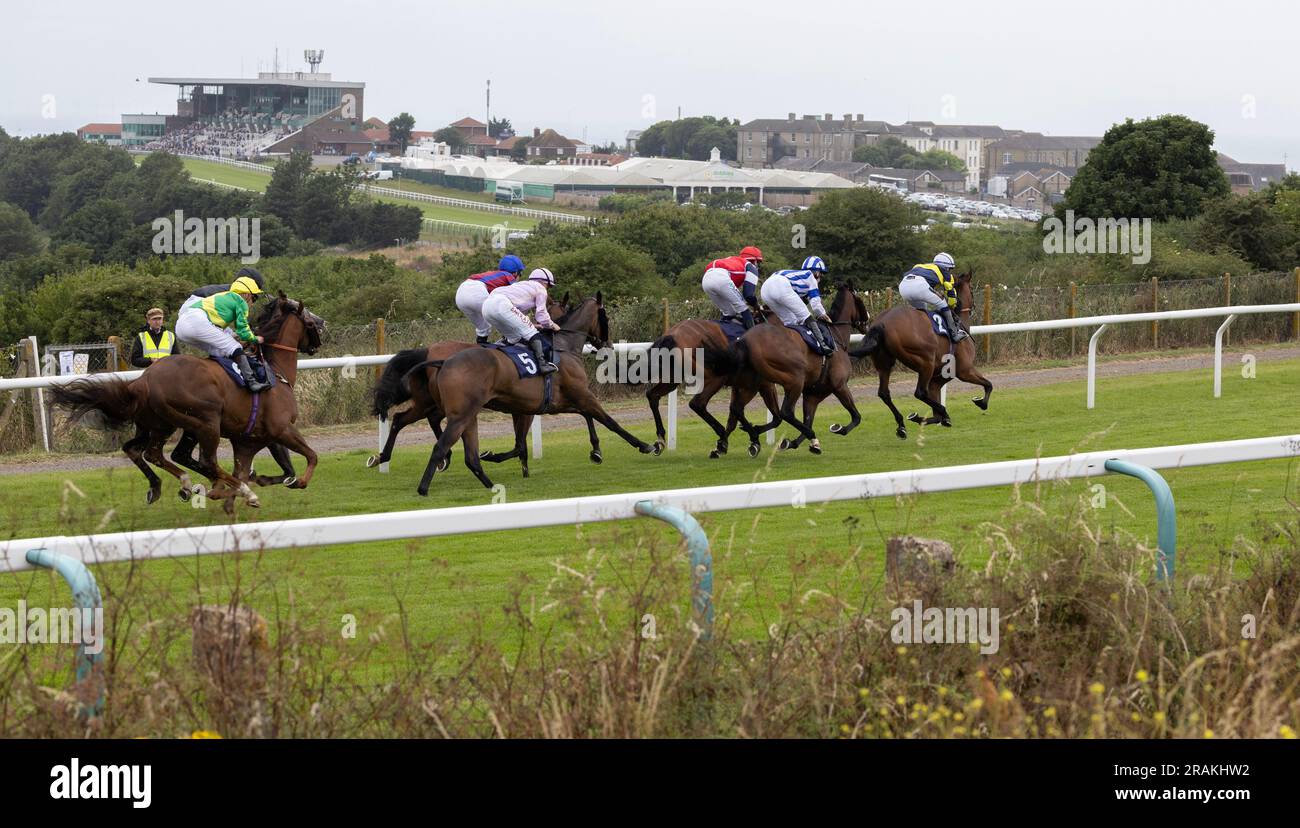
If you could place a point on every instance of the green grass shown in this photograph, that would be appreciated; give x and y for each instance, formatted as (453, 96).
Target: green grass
(445, 581)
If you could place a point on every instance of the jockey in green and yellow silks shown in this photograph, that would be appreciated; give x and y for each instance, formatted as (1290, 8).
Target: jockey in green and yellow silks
(930, 287)
(219, 323)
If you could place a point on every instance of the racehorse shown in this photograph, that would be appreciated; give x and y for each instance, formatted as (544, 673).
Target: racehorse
(903, 334)
(778, 355)
(399, 382)
(692, 337)
(471, 379)
(194, 394)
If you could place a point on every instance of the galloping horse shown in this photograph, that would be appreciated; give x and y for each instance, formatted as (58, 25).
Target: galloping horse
(197, 395)
(693, 336)
(775, 354)
(902, 334)
(470, 380)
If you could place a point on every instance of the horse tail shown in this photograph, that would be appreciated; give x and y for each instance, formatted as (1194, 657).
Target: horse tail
(726, 361)
(113, 400)
(665, 341)
(391, 390)
(420, 366)
(871, 342)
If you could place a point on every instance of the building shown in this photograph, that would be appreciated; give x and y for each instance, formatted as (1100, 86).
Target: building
(469, 127)
(1248, 178)
(110, 134)
(629, 143)
(763, 142)
(551, 145)
(1034, 148)
(594, 159)
(966, 141)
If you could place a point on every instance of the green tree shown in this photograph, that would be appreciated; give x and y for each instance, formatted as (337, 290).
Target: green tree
(891, 152)
(18, 235)
(691, 138)
(1251, 228)
(284, 190)
(1160, 168)
(497, 127)
(98, 225)
(453, 138)
(399, 129)
(519, 151)
(866, 236)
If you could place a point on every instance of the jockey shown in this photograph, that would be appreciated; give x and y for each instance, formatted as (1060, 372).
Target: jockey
(732, 285)
(212, 290)
(785, 291)
(506, 309)
(929, 287)
(474, 291)
(207, 324)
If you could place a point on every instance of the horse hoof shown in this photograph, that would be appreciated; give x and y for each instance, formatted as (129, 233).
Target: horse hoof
(184, 495)
(657, 449)
(714, 455)
(291, 482)
(483, 455)
(525, 471)
(596, 458)
(721, 447)
(253, 502)
(836, 428)
(754, 449)
(786, 445)
(372, 461)
(983, 406)
(422, 491)
(815, 446)
(946, 423)
(902, 433)
(151, 495)
(660, 445)
(442, 467)
(916, 418)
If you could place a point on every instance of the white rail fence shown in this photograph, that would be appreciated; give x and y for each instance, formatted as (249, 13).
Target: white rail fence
(352, 362)
(470, 204)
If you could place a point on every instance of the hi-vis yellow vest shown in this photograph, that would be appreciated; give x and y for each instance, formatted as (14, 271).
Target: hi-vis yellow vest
(159, 349)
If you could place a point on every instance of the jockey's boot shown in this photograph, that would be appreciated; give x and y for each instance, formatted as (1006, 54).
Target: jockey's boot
(818, 335)
(539, 351)
(955, 332)
(480, 340)
(747, 318)
(250, 378)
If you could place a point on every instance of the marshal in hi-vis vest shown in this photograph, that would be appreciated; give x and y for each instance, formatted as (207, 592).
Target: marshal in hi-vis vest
(159, 349)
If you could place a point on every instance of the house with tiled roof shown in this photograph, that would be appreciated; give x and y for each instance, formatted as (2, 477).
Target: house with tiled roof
(549, 144)
(110, 134)
(1248, 178)
(469, 127)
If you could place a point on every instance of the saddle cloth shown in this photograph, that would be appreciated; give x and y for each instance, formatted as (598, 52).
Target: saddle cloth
(808, 339)
(732, 329)
(521, 355)
(936, 322)
(233, 370)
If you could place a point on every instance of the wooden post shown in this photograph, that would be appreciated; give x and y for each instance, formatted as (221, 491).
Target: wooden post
(118, 353)
(1155, 307)
(988, 320)
(1295, 317)
(889, 298)
(666, 325)
(381, 342)
(14, 396)
(1074, 295)
(1227, 300)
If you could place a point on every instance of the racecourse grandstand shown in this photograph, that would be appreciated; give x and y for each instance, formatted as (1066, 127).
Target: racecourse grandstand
(242, 118)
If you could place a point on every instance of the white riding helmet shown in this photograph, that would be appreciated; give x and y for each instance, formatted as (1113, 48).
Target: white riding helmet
(542, 274)
(945, 261)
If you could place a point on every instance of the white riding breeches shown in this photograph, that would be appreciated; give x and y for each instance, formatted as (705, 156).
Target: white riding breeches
(470, 297)
(722, 292)
(513, 324)
(780, 296)
(918, 293)
(194, 328)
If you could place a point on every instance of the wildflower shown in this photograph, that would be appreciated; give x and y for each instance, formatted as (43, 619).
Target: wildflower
(900, 699)
(1096, 688)
(845, 729)
(1143, 676)
(1006, 695)
(1286, 732)
(1209, 734)
(1006, 672)
(900, 649)
(1158, 717)
(1049, 713)
(205, 734)
(863, 692)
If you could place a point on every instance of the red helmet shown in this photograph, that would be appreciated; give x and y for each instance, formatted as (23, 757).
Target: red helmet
(751, 254)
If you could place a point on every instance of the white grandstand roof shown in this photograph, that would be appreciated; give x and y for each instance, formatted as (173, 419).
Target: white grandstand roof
(283, 79)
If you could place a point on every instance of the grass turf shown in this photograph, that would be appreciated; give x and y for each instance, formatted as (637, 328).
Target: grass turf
(444, 582)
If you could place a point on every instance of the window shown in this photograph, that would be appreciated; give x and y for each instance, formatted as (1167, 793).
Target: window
(1006, 158)
(749, 152)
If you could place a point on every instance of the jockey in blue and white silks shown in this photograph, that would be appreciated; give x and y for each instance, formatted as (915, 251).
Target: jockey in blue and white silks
(508, 307)
(929, 287)
(786, 292)
(474, 291)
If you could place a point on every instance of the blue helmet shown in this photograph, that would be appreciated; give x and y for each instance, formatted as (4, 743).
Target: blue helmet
(511, 264)
(814, 263)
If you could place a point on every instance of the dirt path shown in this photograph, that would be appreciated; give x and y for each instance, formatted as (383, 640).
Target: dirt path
(633, 411)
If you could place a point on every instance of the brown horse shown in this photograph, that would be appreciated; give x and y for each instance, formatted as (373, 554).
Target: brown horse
(692, 337)
(775, 354)
(410, 374)
(197, 395)
(903, 334)
(468, 381)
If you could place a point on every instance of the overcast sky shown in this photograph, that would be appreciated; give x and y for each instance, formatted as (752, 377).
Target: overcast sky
(600, 69)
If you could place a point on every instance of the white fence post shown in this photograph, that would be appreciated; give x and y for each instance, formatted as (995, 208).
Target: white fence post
(537, 436)
(672, 419)
(385, 425)
(1218, 354)
(40, 394)
(1092, 366)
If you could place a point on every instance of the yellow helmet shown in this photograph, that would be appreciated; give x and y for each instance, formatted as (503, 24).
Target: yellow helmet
(245, 285)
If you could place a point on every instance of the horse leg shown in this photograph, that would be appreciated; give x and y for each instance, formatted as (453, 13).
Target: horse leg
(469, 439)
(844, 394)
(280, 455)
(396, 424)
(653, 395)
(792, 393)
(442, 449)
(700, 405)
(291, 438)
(966, 372)
(596, 456)
(810, 403)
(884, 370)
(587, 405)
(742, 396)
(133, 448)
(935, 391)
(517, 450)
(224, 485)
(154, 454)
(435, 425)
(183, 453)
(923, 380)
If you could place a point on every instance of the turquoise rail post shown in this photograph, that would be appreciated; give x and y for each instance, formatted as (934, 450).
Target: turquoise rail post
(1166, 517)
(85, 595)
(701, 560)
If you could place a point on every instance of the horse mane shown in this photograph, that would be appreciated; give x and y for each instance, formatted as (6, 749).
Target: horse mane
(269, 319)
(841, 292)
